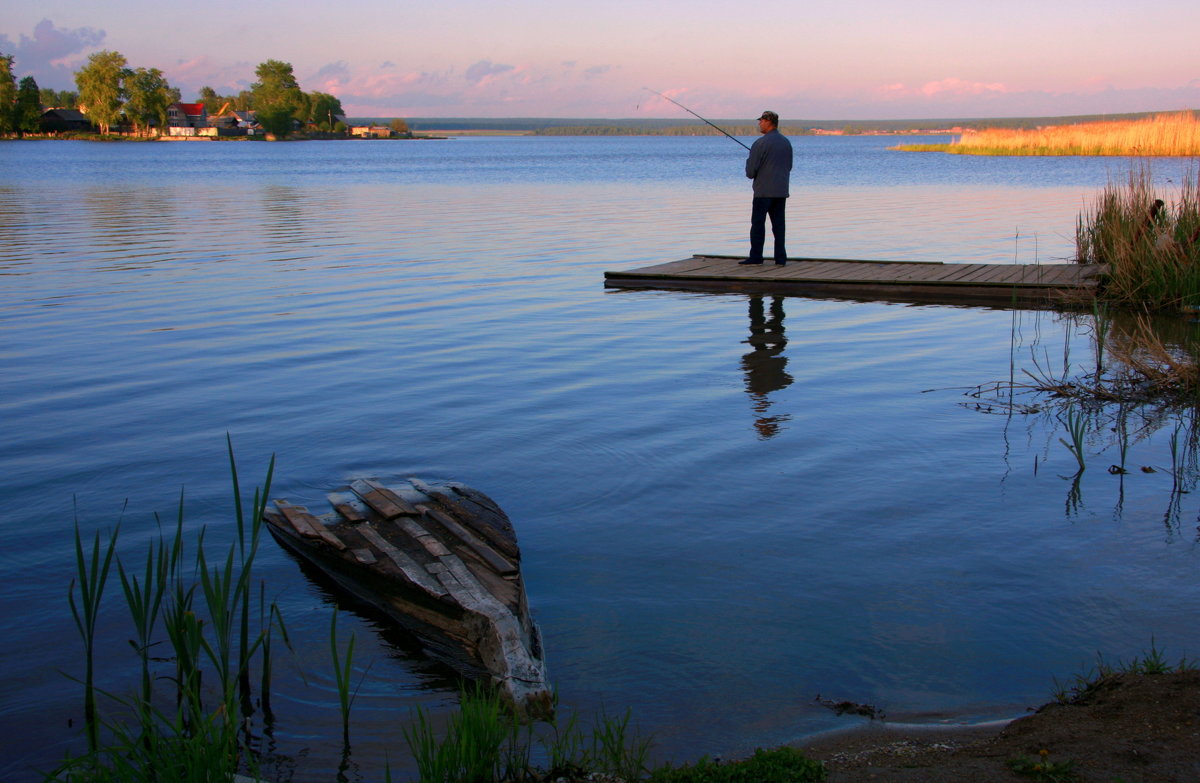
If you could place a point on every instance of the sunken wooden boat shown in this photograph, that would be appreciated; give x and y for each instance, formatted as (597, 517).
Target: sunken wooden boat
(441, 559)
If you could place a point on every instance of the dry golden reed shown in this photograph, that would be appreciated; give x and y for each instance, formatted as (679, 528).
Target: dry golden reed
(1163, 135)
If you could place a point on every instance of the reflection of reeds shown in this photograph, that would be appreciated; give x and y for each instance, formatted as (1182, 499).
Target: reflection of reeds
(1164, 135)
(1147, 367)
(1151, 247)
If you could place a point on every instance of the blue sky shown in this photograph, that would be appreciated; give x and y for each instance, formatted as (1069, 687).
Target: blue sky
(856, 59)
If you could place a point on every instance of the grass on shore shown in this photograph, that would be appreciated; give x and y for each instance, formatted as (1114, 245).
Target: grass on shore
(1164, 135)
(1151, 663)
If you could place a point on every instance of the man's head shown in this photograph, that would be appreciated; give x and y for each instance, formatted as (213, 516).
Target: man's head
(769, 121)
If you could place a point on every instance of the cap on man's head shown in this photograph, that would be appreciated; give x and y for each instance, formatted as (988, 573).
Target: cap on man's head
(770, 117)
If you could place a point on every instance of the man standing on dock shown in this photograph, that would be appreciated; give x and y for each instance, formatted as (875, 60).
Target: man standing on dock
(769, 165)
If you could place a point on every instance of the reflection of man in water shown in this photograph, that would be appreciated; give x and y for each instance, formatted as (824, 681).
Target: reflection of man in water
(765, 365)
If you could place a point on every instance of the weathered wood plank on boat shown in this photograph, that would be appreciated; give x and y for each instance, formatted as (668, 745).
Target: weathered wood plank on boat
(442, 559)
(380, 498)
(494, 527)
(495, 561)
(365, 556)
(409, 567)
(922, 281)
(308, 525)
(348, 506)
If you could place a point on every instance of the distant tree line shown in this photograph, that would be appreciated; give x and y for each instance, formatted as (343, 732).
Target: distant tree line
(20, 104)
(276, 99)
(673, 130)
(112, 93)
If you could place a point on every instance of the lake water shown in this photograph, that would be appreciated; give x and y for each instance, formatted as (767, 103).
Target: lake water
(716, 526)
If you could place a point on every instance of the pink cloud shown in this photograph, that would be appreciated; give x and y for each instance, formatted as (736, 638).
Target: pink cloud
(50, 54)
(953, 86)
(203, 71)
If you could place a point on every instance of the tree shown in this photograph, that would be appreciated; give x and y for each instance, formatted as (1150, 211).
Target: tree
(149, 96)
(400, 126)
(323, 110)
(29, 107)
(211, 100)
(277, 88)
(58, 99)
(8, 95)
(101, 89)
(276, 120)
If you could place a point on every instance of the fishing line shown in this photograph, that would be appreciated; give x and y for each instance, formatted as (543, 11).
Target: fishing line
(694, 114)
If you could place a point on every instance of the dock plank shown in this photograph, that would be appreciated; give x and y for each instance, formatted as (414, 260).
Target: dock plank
(933, 281)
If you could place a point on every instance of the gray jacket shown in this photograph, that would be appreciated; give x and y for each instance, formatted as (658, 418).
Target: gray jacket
(770, 164)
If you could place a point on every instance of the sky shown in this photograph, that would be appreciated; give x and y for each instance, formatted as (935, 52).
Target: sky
(849, 59)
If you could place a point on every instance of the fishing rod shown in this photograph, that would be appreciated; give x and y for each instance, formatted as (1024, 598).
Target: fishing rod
(689, 111)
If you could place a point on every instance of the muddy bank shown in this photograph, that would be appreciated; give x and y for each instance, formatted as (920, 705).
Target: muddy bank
(1129, 727)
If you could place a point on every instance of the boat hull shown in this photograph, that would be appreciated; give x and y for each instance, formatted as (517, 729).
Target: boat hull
(442, 561)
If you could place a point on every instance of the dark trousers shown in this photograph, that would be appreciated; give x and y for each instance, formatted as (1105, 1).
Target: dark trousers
(758, 227)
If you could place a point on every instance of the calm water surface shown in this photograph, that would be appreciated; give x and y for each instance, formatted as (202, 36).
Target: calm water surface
(726, 504)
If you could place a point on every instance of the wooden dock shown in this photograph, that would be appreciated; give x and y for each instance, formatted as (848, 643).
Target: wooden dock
(906, 281)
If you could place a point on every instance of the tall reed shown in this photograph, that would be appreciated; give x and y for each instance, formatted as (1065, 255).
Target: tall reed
(192, 732)
(1151, 247)
(484, 742)
(473, 748)
(1076, 426)
(91, 577)
(342, 663)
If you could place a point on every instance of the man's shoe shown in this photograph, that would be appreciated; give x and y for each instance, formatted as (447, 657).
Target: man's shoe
(748, 261)
(780, 263)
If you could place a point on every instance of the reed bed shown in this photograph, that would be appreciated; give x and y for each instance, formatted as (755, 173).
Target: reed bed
(1164, 135)
(1150, 246)
(187, 718)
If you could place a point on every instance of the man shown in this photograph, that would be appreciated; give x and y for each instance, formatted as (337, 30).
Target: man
(769, 165)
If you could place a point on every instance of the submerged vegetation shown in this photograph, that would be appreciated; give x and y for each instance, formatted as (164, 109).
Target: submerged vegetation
(1151, 246)
(1140, 381)
(1163, 135)
(1137, 360)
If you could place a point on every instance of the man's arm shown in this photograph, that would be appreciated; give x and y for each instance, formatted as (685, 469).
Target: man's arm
(754, 161)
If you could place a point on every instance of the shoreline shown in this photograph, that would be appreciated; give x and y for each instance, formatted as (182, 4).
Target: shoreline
(1124, 726)
(888, 740)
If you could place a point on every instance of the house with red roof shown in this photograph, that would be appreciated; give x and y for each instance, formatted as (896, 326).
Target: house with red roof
(188, 119)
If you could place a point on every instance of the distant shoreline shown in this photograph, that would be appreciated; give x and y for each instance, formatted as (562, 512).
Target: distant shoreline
(688, 126)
